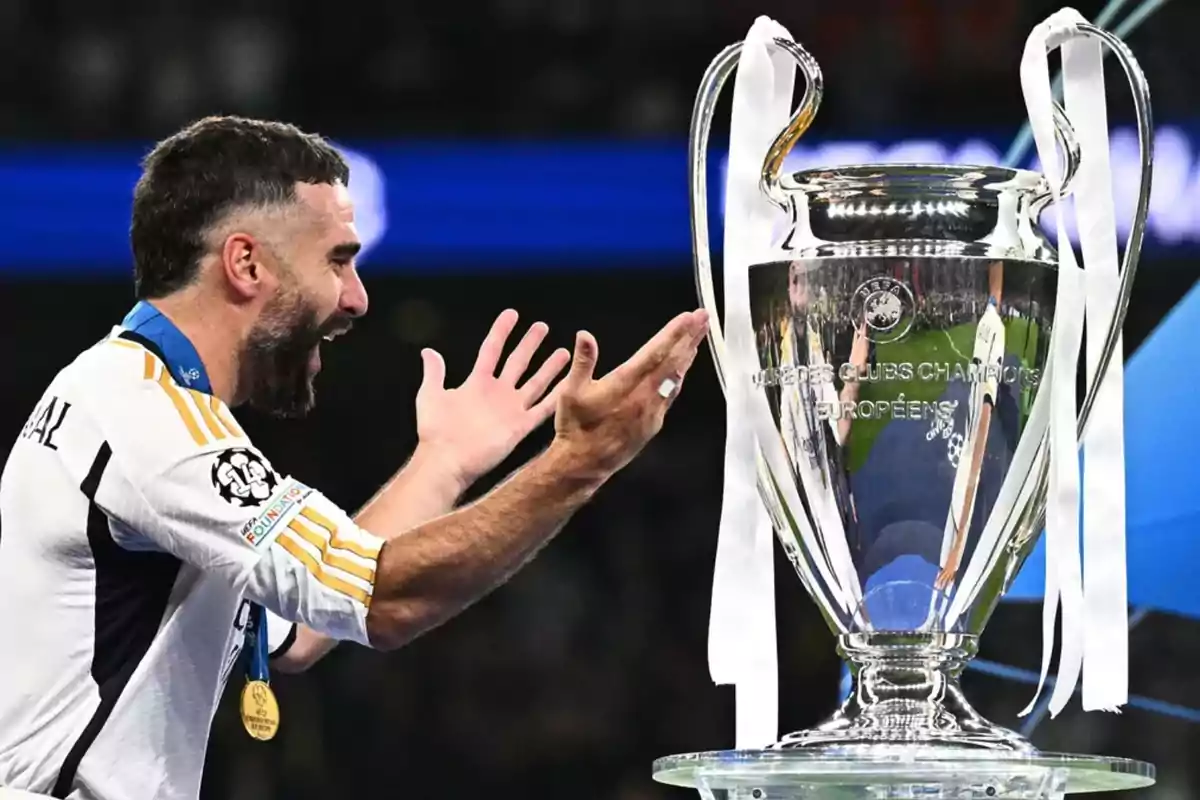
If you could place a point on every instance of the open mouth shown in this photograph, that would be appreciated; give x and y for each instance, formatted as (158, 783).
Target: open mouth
(314, 359)
(329, 337)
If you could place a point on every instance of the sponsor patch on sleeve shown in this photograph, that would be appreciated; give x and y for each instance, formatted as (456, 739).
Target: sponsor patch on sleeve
(277, 513)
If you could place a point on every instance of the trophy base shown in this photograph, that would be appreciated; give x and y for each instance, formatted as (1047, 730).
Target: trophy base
(904, 731)
(905, 691)
(887, 772)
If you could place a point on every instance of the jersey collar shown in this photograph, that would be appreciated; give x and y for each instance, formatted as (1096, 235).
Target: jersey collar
(146, 323)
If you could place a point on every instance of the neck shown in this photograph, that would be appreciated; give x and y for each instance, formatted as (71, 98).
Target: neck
(216, 333)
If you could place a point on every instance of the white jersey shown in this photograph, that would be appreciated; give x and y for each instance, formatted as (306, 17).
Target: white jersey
(137, 522)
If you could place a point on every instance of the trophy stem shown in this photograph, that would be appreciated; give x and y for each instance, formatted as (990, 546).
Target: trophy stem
(906, 691)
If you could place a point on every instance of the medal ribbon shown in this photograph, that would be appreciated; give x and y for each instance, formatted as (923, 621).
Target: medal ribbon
(259, 708)
(257, 667)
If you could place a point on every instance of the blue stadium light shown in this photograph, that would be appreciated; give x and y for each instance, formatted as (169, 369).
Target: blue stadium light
(430, 206)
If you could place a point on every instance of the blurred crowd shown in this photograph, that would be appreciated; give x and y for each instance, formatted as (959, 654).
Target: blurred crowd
(115, 68)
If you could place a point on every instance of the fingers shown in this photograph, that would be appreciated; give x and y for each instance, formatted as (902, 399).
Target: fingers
(544, 408)
(536, 386)
(669, 382)
(583, 365)
(647, 360)
(518, 360)
(433, 369)
(493, 343)
(684, 358)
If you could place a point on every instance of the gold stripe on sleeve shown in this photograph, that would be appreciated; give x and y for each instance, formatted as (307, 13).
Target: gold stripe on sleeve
(359, 549)
(210, 421)
(220, 412)
(289, 544)
(181, 408)
(332, 559)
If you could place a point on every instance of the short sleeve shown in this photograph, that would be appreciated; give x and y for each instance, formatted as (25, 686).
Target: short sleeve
(319, 569)
(188, 481)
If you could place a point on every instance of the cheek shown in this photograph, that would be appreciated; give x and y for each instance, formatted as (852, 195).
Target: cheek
(331, 298)
(323, 295)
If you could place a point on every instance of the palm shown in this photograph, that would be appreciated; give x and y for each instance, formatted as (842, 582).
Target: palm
(474, 427)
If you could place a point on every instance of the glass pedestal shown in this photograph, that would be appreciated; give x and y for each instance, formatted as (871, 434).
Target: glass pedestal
(897, 772)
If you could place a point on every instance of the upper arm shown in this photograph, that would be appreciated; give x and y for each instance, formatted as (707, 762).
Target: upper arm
(190, 481)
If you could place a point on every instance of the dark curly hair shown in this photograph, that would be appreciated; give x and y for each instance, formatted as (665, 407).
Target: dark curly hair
(193, 179)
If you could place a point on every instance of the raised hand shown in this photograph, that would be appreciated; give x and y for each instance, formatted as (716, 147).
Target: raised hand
(607, 421)
(470, 429)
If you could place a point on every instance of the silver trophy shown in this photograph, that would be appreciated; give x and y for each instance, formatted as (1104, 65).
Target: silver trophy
(902, 323)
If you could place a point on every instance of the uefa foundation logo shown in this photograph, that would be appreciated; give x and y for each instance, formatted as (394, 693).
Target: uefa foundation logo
(886, 306)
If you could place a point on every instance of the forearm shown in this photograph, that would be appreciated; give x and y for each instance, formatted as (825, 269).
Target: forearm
(439, 568)
(424, 489)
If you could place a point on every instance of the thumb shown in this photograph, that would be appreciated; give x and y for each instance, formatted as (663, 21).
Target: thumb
(583, 365)
(434, 369)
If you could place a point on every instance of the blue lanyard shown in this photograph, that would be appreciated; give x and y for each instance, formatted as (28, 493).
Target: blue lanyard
(257, 668)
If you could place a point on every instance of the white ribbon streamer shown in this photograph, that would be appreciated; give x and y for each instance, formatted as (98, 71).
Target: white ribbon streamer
(742, 646)
(1094, 623)
(1063, 582)
(1105, 597)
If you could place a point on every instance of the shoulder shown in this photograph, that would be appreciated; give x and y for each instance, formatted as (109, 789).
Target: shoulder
(145, 412)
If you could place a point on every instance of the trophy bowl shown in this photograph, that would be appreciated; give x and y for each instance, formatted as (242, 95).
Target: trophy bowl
(902, 337)
(902, 321)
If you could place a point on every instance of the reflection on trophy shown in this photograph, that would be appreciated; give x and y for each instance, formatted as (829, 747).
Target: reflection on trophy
(903, 351)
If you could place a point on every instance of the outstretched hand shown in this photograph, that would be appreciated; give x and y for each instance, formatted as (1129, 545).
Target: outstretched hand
(607, 421)
(470, 429)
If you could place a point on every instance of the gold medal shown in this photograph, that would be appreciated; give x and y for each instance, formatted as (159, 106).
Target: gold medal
(260, 710)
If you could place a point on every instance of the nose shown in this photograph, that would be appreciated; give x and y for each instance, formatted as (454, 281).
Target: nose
(353, 302)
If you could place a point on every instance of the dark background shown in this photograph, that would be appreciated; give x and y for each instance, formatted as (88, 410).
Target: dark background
(572, 678)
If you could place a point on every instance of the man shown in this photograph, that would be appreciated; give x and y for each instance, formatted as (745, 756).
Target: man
(142, 531)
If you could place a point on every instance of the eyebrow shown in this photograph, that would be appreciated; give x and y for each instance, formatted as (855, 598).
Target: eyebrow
(344, 251)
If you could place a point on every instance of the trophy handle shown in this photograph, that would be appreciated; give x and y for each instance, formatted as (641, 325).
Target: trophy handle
(701, 126)
(1064, 132)
(1137, 232)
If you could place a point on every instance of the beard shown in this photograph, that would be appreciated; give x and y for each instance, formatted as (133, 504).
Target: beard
(275, 364)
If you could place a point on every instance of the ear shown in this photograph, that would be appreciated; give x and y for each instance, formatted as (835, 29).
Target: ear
(242, 266)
